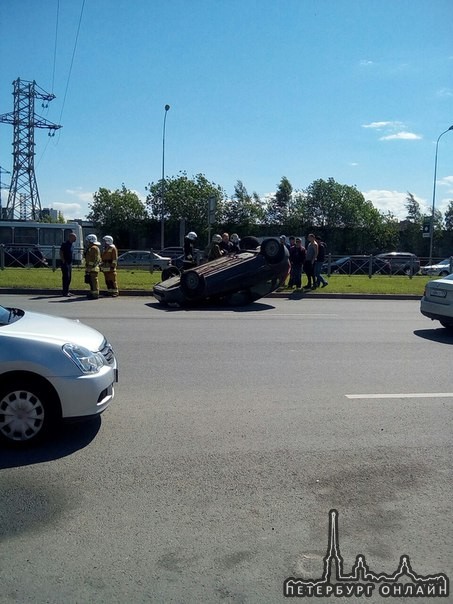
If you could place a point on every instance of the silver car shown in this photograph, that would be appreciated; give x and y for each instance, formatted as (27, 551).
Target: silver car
(437, 301)
(442, 269)
(143, 259)
(51, 369)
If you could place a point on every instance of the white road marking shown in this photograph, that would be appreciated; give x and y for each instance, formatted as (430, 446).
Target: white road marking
(406, 395)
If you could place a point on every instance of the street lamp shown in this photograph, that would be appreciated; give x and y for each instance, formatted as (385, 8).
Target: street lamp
(162, 193)
(431, 238)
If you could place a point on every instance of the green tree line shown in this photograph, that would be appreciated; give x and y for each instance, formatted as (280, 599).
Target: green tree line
(339, 213)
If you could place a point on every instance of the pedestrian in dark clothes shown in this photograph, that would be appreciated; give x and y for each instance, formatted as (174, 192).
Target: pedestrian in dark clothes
(66, 257)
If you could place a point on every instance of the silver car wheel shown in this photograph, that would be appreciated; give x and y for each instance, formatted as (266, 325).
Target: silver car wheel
(22, 416)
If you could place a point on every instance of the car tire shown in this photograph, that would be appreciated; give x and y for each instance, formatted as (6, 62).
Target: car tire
(272, 250)
(443, 273)
(249, 243)
(27, 414)
(192, 283)
(169, 272)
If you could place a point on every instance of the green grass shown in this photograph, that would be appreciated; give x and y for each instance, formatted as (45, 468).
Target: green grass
(46, 278)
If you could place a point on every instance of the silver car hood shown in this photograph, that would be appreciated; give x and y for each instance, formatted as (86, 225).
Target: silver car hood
(46, 328)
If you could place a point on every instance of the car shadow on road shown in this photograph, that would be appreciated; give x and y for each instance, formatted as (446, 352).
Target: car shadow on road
(253, 307)
(441, 335)
(71, 438)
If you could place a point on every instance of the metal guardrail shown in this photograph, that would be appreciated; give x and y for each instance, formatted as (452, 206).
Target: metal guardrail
(373, 265)
(30, 256)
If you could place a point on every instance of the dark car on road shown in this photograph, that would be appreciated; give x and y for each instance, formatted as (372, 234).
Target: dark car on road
(358, 265)
(401, 263)
(236, 279)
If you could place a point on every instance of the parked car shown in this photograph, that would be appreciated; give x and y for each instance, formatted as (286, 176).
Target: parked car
(143, 259)
(172, 252)
(177, 255)
(437, 301)
(236, 279)
(441, 268)
(51, 369)
(358, 265)
(25, 256)
(402, 263)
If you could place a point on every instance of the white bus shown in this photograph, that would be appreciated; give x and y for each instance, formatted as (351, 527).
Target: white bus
(47, 236)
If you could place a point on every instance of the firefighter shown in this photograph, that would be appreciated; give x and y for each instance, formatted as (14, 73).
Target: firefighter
(92, 262)
(214, 249)
(189, 249)
(109, 259)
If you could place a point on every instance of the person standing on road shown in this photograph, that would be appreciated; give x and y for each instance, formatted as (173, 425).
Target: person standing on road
(309, 265)
(66, 258)
(297, 255)
(320, 259)
(92, 262)
(109, 259)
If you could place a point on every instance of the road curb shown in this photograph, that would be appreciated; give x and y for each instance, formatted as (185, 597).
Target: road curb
(286, 295)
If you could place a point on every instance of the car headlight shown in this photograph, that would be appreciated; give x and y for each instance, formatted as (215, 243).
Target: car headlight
(86, 361)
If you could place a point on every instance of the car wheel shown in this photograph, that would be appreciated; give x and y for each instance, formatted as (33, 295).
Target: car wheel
(26, 413)
(249, 243)
(192, 283)
(443, 273)
(272, 250)
(170, 272)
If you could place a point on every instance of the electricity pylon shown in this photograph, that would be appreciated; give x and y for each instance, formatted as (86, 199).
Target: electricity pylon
(23, 199)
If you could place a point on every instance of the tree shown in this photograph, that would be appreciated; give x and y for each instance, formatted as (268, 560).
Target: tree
(330, 204)
(342, 215)
(448, 217)
(278, 208)
(243, 211)
(185, 198)
(118, 213)
(411, 236)
(413, 209)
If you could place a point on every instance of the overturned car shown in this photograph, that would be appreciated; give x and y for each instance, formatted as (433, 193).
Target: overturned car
(236, 279)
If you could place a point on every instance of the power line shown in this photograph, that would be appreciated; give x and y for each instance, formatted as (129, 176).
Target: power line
(72, 58)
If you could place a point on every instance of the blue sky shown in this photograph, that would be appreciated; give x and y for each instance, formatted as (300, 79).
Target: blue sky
(357, 90)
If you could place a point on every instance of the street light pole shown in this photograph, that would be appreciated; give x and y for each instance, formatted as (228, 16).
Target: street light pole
(162, 193)
(431, 237)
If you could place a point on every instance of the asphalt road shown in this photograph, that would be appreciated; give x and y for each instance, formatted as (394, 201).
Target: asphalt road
(233, 434)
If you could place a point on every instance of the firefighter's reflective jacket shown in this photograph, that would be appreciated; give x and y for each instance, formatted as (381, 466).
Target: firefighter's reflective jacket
(92, 258)
(109, 258)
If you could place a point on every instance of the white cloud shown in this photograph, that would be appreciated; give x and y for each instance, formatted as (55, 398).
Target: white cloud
(401, 136)
(392, 201)
(380, 125)
(69, 210)
(395, 131)
(447, 182)
(83, 196)
(445, 92)
(76, 204)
